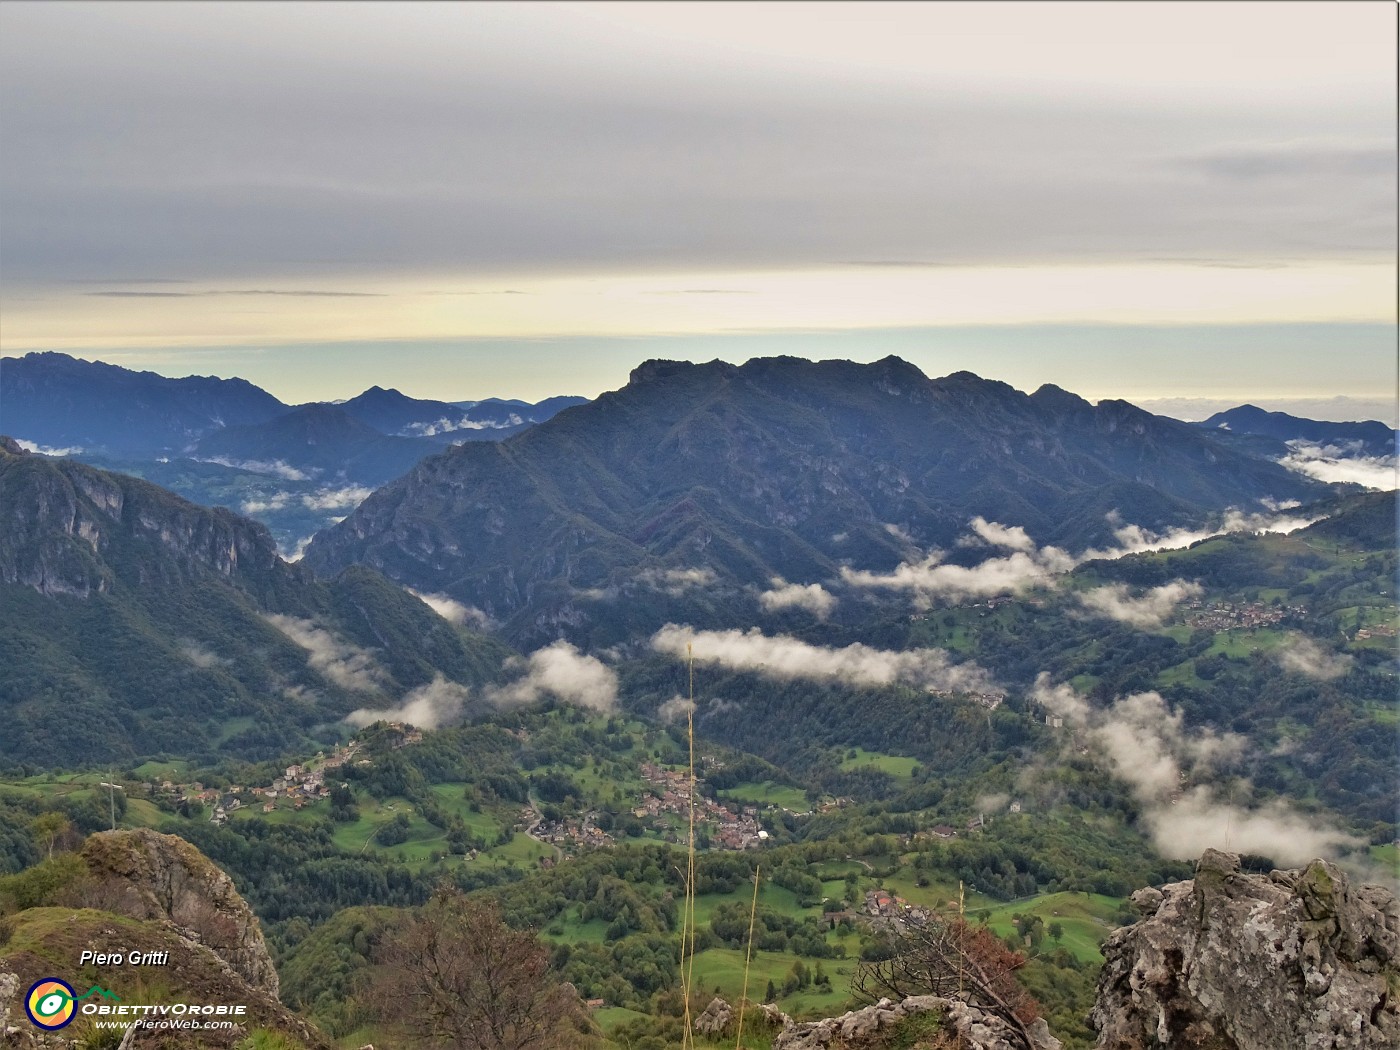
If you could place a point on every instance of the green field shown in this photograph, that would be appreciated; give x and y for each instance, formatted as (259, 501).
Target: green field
(769, 794)
(897, 766)
(1087, 918)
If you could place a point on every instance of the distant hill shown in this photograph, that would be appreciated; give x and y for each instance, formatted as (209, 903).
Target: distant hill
(1370, 438)
(58, 401)
(136, 624)
(391, 412)
(780, 467)
(320, 441)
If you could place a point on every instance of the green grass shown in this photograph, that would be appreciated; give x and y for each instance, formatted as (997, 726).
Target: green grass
(723, 968)
(609, 1017)
(172, 771)
(1087, 918)
(769, 794)
(1388, 855)
(897, 766)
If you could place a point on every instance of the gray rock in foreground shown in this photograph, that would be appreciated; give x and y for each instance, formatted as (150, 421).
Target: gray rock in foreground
(1293, 960)
(871, 1027)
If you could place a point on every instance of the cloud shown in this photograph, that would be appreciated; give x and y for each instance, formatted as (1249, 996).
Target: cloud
(277, 501)
(1305, 656)
(1146, 745)
(429, 706)
(314, 294)
(562, 671)
(675, 709)
(787, 658)
(1011, 574)
(898, 533)
(1334, 463)
(320, 500)
(335, 499)
(1134, 539)
(676, 581)
(448, 426)
(1030, 566)
(345, 664)
(45, 450)
(452, 610)
(1011, 537)
(275, 467)
(1147, 611)
(813, 597)
(200, 656)
(993, 802)
(1276, 505)
(298, 549)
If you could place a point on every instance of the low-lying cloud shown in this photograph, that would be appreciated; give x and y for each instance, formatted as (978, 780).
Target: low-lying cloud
(345, 664)
(676, 582)
(674, 709)
(1343, 463)
(320, 500)
(1146, 611)
(430, 706)
(453, 611)
(200, 656)
(561, 671)
(1168, 768)
(1028, 565)
(449, 426)
(276, 467)
(1301, 654)
(784, 657)
(1011, 574)
(336, 499)
(995, 534)
(1135, 539)
(45, 450)
(813, 597)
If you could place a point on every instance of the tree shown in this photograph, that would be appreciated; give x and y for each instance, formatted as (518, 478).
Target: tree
(48, 828)
(1056, 932)
(456, 976)
(941, 957)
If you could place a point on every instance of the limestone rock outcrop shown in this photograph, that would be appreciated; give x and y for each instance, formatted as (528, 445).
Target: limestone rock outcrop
(146, 875)
(715, 1018)
(871, 1027)
(1236, 961)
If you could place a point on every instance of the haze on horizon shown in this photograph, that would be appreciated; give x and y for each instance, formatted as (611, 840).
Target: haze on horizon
(1149, 201)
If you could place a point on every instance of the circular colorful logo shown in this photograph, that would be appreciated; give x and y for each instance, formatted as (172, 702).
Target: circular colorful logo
(50, 1004)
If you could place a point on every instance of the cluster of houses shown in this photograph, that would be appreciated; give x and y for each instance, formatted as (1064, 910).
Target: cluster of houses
(671, 795)
(991, 701)
(571, 833)
(1230, 616)
(882, 906)
(298, 785)
(1376, 631)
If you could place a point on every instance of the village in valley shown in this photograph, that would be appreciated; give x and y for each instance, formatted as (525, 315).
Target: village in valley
(665, 804)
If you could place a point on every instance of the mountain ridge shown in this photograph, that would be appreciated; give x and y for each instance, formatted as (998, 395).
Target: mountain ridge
(754, 470)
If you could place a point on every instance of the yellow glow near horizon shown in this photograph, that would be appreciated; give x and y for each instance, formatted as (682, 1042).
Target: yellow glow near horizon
(701, 302)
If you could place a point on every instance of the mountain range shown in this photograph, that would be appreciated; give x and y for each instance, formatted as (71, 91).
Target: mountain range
(226, 442)
(60, 402)
(1369, 437)
(701, 477)
(137, 623)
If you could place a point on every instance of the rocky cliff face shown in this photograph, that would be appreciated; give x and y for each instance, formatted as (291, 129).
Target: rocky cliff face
(71, 529)
(146, 875)
(1235, 961)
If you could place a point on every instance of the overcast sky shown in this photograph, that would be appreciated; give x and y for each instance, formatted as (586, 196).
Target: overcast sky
(1148, 200)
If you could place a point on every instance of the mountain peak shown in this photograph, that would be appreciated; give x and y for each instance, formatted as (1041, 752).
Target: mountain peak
(1058, 399)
